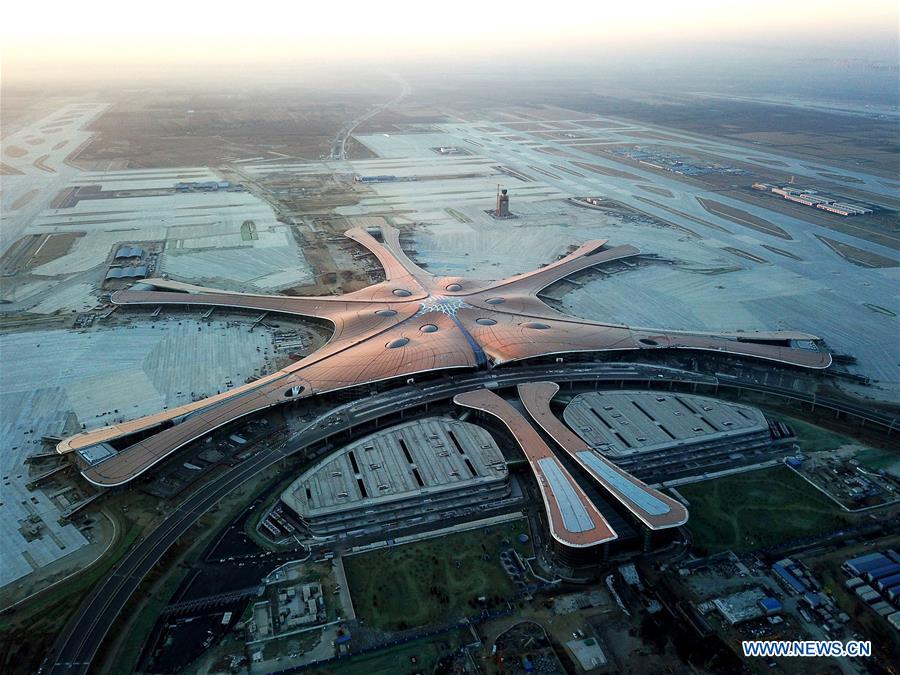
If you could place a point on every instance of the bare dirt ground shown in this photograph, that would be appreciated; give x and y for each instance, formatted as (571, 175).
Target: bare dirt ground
(860, 143)
(150, 130)
(397, 118)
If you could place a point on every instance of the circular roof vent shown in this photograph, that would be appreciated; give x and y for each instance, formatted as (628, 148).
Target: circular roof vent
(428, 328)
(484, 321)
(399, 342)
(402, 293)
(453, 287)
(537, 325)
(386, 312)
(495, 301)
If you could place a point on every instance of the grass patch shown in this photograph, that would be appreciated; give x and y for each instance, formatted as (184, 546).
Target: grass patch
(815, 439)
(126, 660)
(248, 231)
(461, 217)
(398, 660)
(887, 460)
(432, 581)
(757, 509)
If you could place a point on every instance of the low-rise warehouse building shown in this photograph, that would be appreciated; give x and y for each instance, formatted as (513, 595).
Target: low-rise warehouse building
(409, 474)
(744, 606)
(125, 252)
(865, 564)
(132, 272)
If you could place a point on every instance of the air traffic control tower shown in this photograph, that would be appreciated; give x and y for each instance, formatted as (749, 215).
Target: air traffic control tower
(502, 210)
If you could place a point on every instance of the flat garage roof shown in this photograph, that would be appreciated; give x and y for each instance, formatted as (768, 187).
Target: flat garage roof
(624, 422)
(429, 455)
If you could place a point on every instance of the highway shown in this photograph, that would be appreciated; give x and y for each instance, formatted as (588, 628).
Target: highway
(339, 144)
(78, 643)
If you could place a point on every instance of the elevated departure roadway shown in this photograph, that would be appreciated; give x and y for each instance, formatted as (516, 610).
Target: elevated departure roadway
(79, 642)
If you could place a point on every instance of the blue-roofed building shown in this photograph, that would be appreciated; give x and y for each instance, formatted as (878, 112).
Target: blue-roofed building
(812, 599)
(771, 606)
(788, 578)
(888, 570)
(889, 582)
(867, 562)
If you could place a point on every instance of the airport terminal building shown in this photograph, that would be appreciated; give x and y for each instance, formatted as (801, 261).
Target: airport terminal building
(410, 474)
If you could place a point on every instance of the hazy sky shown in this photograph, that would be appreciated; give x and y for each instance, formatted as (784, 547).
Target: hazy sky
(92, 36)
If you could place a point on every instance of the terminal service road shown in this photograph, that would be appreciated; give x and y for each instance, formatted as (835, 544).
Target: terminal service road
(78, 643)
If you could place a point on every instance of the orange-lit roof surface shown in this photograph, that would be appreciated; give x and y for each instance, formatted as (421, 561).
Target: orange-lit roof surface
(410, 323)
(655, 509)
(573, 518)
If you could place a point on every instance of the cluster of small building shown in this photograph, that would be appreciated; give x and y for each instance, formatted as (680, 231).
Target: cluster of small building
(815, 199)
(847, 481)
(293, 607)
(875, 579)
(772, 595)
(203, 186)
(384, 179)
(665, 161)
(814, 606)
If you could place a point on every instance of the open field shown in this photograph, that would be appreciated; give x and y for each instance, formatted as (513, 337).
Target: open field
(420, 656)
(815, 439)
(849, 140)
(759, 509)
(212, 128)
(433, 581)
(710, 286)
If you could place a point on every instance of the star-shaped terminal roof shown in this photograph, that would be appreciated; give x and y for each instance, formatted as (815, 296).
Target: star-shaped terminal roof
(409, 323)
